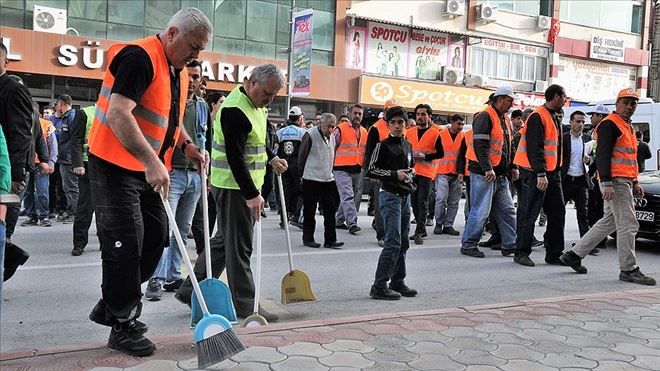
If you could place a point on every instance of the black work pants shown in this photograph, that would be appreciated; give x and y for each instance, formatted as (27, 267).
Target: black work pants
(575, 188)
(420, 202)
(293, 192)
(56, 196)
(431, 202)
(84, 212)
(529, 205)
(197, 227)
(231, 248)
(133, 231)
(323, 194)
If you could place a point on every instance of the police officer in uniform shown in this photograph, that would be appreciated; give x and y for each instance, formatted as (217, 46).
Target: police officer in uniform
(288, 144)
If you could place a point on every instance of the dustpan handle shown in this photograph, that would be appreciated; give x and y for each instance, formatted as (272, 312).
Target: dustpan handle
(206, 232)
(184, 254)
(257, 285)
(285, 216)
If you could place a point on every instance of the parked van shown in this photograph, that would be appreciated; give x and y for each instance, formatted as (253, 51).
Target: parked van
(646, 119)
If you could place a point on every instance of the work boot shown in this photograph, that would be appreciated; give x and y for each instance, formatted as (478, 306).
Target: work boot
(333, 245)
(97, 315)
(450, 231)
(354, 229)
(384, 293)
(404, 290)
(418, 239)
(536, 242)
(438, 229)
(636, 276)
(313, 244)
(493, 243)
(473, 252)
(171, 286)
(154, 290)
(524, 260)
(341, 226)
(126, 337)
(573, 260)
(77, 251)
(30, 222)
(45, 222)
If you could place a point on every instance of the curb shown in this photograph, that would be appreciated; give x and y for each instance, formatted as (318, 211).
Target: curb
(187, 337)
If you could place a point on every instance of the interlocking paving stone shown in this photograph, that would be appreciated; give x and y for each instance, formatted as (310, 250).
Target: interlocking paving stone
(106, 369)
(341, 369)
(617, 315)
(391, 354)
(424, 324)
(549, 346)
(428, 336)
(524, 365)
(644, 333)
(654, 343)
(507, 339)
(529, 324)
(560, 321)
(456, 321)
(251, 366)
(155, 365)
(537, 334)
(311, 337)
(642, 311)
(498, 328)
(316, 329)
(298, 363)
(465, 343)
(572, 331)
(636, 349)
(264, 341)
(463, 331)
(514, 351)
(567, 360)
(348, 346)
(650, 362)
(389, 366)
(389, 341)
(602, 326)
(637, 323)
(349, 334)
(477, 357)
(427, 347)
(304, 349)
(387, 329)
(346, 359)
(587, 341)
(618, 337)
(435, 362)
(617, 366)
(191, 364)
(259, 354)
(481, 368)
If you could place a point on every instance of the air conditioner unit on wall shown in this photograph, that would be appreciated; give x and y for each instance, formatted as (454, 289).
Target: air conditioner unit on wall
(454, 7)
(486, 13)
(47, 19)
(543, 22)
(453, 76)
(540, 85)
(476, 80)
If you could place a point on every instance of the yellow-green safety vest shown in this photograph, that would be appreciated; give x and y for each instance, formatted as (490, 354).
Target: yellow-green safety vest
(255, 147)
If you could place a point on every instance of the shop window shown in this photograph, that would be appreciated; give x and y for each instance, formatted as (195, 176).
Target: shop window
(263, 20)
(88, 10)
(122, 32)
(59, 4)
(524, 7)
(126, 12)
(230, 19)
(228, 46)
(11, 17)
(39, 85)
(616, 15)
(85, 90)
(261, 50)
(322, 57)
(159, 12)
(15, 4)
(323, 24)
(84, 27)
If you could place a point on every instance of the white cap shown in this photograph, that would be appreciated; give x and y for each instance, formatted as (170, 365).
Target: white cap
(504, 90)
(601, 109)
(295, 111)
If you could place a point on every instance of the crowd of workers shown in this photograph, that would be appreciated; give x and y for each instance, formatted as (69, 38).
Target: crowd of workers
(148, 136)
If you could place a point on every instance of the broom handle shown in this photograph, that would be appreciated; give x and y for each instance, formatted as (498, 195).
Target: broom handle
(205, 217)
(184, 253)
(257, 286)
(285, 216)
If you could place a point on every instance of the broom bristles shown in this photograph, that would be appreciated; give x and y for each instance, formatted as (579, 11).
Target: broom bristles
(218, 348)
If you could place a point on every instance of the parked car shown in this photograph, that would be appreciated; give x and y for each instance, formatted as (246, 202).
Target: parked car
(647, 209)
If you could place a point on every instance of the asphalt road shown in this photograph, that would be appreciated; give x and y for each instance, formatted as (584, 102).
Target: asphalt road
(47, 302)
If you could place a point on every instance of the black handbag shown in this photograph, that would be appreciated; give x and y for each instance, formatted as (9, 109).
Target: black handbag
(14, 256)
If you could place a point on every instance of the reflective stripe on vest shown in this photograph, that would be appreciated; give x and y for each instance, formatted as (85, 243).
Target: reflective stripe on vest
(152, 112)
(468, 146)
(427, 146)
(255, 146)
(624, 154)
(496, 137)
(550, 142)
(350, 152)
(447, 164)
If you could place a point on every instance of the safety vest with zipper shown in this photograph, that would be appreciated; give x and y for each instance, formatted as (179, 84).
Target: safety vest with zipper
(447, 164)
(496, 138)
(350, 151)
(550, 142)
(425, 145)
(624, 153)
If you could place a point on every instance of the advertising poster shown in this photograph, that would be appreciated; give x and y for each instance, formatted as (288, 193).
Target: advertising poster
(427, 54)
(301, 72)
(456, 53)
(355, 46)
(591, 81)
(387, 49)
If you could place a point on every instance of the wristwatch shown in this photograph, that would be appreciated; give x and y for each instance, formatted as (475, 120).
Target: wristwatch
(183, 146)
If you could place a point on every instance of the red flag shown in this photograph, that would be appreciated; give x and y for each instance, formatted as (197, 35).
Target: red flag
(554, 30)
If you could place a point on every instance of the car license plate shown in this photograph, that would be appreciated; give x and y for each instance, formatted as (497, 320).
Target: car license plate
(646, 216)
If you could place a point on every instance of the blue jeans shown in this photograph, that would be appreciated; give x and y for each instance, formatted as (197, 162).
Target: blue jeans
(185, 188)
(36, 196)
(3, 229)
(484, 196)
(447, 198)
(395, 210)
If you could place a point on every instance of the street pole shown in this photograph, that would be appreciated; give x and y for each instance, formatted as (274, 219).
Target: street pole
(289, 72)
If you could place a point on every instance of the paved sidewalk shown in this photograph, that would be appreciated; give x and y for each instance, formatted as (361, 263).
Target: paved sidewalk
(609, 331)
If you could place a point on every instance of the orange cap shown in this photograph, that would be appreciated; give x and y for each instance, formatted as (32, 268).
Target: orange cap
(628, 93)
(390, 103)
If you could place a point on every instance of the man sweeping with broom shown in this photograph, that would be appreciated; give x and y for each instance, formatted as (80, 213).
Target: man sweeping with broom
(137, 123)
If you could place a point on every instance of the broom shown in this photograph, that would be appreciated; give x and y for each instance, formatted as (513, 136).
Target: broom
(215, 338)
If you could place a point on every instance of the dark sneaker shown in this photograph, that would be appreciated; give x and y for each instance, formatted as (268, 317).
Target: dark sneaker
(429, 222)
(61, 216)
(333, 245)
(424, 234)
(450, 231)
(493, 243)
(574, 261)
(296, 224)
(69, 219)
(29, 222)
(77, 251)
(536, 243)
(125, 337)
(404, 290)
(354, 229)
(523, 260)
(438, 229)
(384, 293)
(312, 244)
(505, 252)
(171, 286)
(97, 315)
(474, 252)
(636, 276)
(418, 239)
(341, 226)
(45, 222)
(554, 261)
(594, 252)
(23, 212)
(154, 290)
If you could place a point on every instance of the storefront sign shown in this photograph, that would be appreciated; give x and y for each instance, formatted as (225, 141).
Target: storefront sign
(443, 98)
(355, 43)
(387, 49)
(529, 100)
(6, 41)
(591, 81)
(427, 54)
(302, 53)
(516, 48)
(607, 48)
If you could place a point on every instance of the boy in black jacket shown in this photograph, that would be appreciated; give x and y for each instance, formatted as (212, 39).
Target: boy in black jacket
(392, 163)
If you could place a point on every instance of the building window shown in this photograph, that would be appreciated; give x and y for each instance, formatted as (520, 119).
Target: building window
(261, 50)
(88, 10)
(59, 4)
(524, 7)
(11, 17)
(323, 29)
(84, 27)
(16, 4)
(122, 32)
(263, 21)
(126, 12)
(159, 12)
(615, 15)
(228, 46)
(506, 65)
(230, 19)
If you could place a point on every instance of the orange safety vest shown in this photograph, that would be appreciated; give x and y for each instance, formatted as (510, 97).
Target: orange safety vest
(350, 151)
(550, 142)
(496, 137)
(468, 144)
(624, 155)
(47, 128)
(447, 164)
(383, 129)
(152, 112)
(425, 145)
